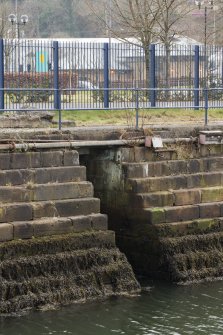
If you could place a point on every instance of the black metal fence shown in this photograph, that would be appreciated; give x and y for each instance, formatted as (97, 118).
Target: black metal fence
(60, 75)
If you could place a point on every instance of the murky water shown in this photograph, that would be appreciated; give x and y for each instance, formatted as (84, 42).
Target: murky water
(164, 309)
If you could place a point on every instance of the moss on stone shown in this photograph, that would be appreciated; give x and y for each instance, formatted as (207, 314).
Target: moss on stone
(156, 215)
(62, 270)
(212, 194)
(53, 244)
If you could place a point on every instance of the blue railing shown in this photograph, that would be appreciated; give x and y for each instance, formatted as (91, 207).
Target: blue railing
(55, 75)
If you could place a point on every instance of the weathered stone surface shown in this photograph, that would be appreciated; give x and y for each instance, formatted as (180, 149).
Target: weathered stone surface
(212, 179)
(61, 191)
(212, 194)
(155, 215)
(186, 197)
(137, 170)
(2, 178)
(157, 184)
(77, 206)
(15, 212)
(63, 270)
(22, 230)
(159, 169)
(194, 181)
(19, 177)
(25, 160)
(59, 174)
(6, 232)
(204, 151)
(80, 223)
(44, 209)
(99, 221)
(165, 154)
(14, 194)
(5, 161)
(177, 167)
(204, 179)
(181, 213)
(51, 226)
(158, 199)
(194, 165)
(213, 164)
(198, 226)
(71, 158)
(51, 158)
(136, 154)
(167, 168)
(210, 210)
(216, 149)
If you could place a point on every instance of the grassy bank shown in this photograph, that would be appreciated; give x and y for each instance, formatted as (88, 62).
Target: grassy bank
(146, 116)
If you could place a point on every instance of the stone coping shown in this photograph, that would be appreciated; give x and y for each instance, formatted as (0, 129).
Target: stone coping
(102, 132)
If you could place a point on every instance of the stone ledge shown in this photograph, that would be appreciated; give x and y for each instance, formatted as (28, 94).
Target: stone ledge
(52, 226)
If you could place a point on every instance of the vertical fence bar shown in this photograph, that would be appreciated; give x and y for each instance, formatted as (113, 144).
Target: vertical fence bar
(2, 104)
(57, 105)
(152, 49)
(137, 107)
(106, 75)
(196, 76)
(206, 106)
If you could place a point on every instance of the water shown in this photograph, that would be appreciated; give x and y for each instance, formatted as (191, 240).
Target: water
(164, 309)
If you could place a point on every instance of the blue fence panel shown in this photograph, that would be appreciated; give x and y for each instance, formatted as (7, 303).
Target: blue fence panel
(88, 75)
(2, 99)
(81, 72)
(28, 75)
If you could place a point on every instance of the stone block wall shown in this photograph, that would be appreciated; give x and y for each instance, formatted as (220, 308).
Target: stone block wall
(55, 246)
(154, 200)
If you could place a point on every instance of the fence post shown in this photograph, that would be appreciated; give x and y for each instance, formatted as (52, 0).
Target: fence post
(57, 104)
(137, 108)
(222, 67)
(2, 102)
(206, 106)
(106, 75)
(152, 50)
(196, 77)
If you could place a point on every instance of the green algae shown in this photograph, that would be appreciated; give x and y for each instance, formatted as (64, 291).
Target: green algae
(62, 270)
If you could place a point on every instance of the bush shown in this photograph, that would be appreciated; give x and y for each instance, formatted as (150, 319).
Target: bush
(29, 81)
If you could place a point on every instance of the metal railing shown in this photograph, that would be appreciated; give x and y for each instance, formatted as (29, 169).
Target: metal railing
(139, 99)
(66, 75)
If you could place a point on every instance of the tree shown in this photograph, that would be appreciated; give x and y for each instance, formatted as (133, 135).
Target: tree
(4, 23)
(130, 18)
(171, 13)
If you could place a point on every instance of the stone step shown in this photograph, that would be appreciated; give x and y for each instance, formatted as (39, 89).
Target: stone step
(178, 197)
(65, 277)
(168, 198)
(182, 213)
(179, 229)
(58, 243)
(85, 259)
(153, 184)
(196, 266)
(174, 167)
(203, 275)
(34, 210)
(28, 160)
(42, 192)
(42, 175)
(52, 226)
(193, 243)
(143, 154)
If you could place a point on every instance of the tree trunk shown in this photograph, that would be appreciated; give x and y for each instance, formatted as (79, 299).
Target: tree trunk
(147, 63)
(167, 70)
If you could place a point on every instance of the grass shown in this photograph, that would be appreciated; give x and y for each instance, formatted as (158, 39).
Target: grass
(146, 116)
